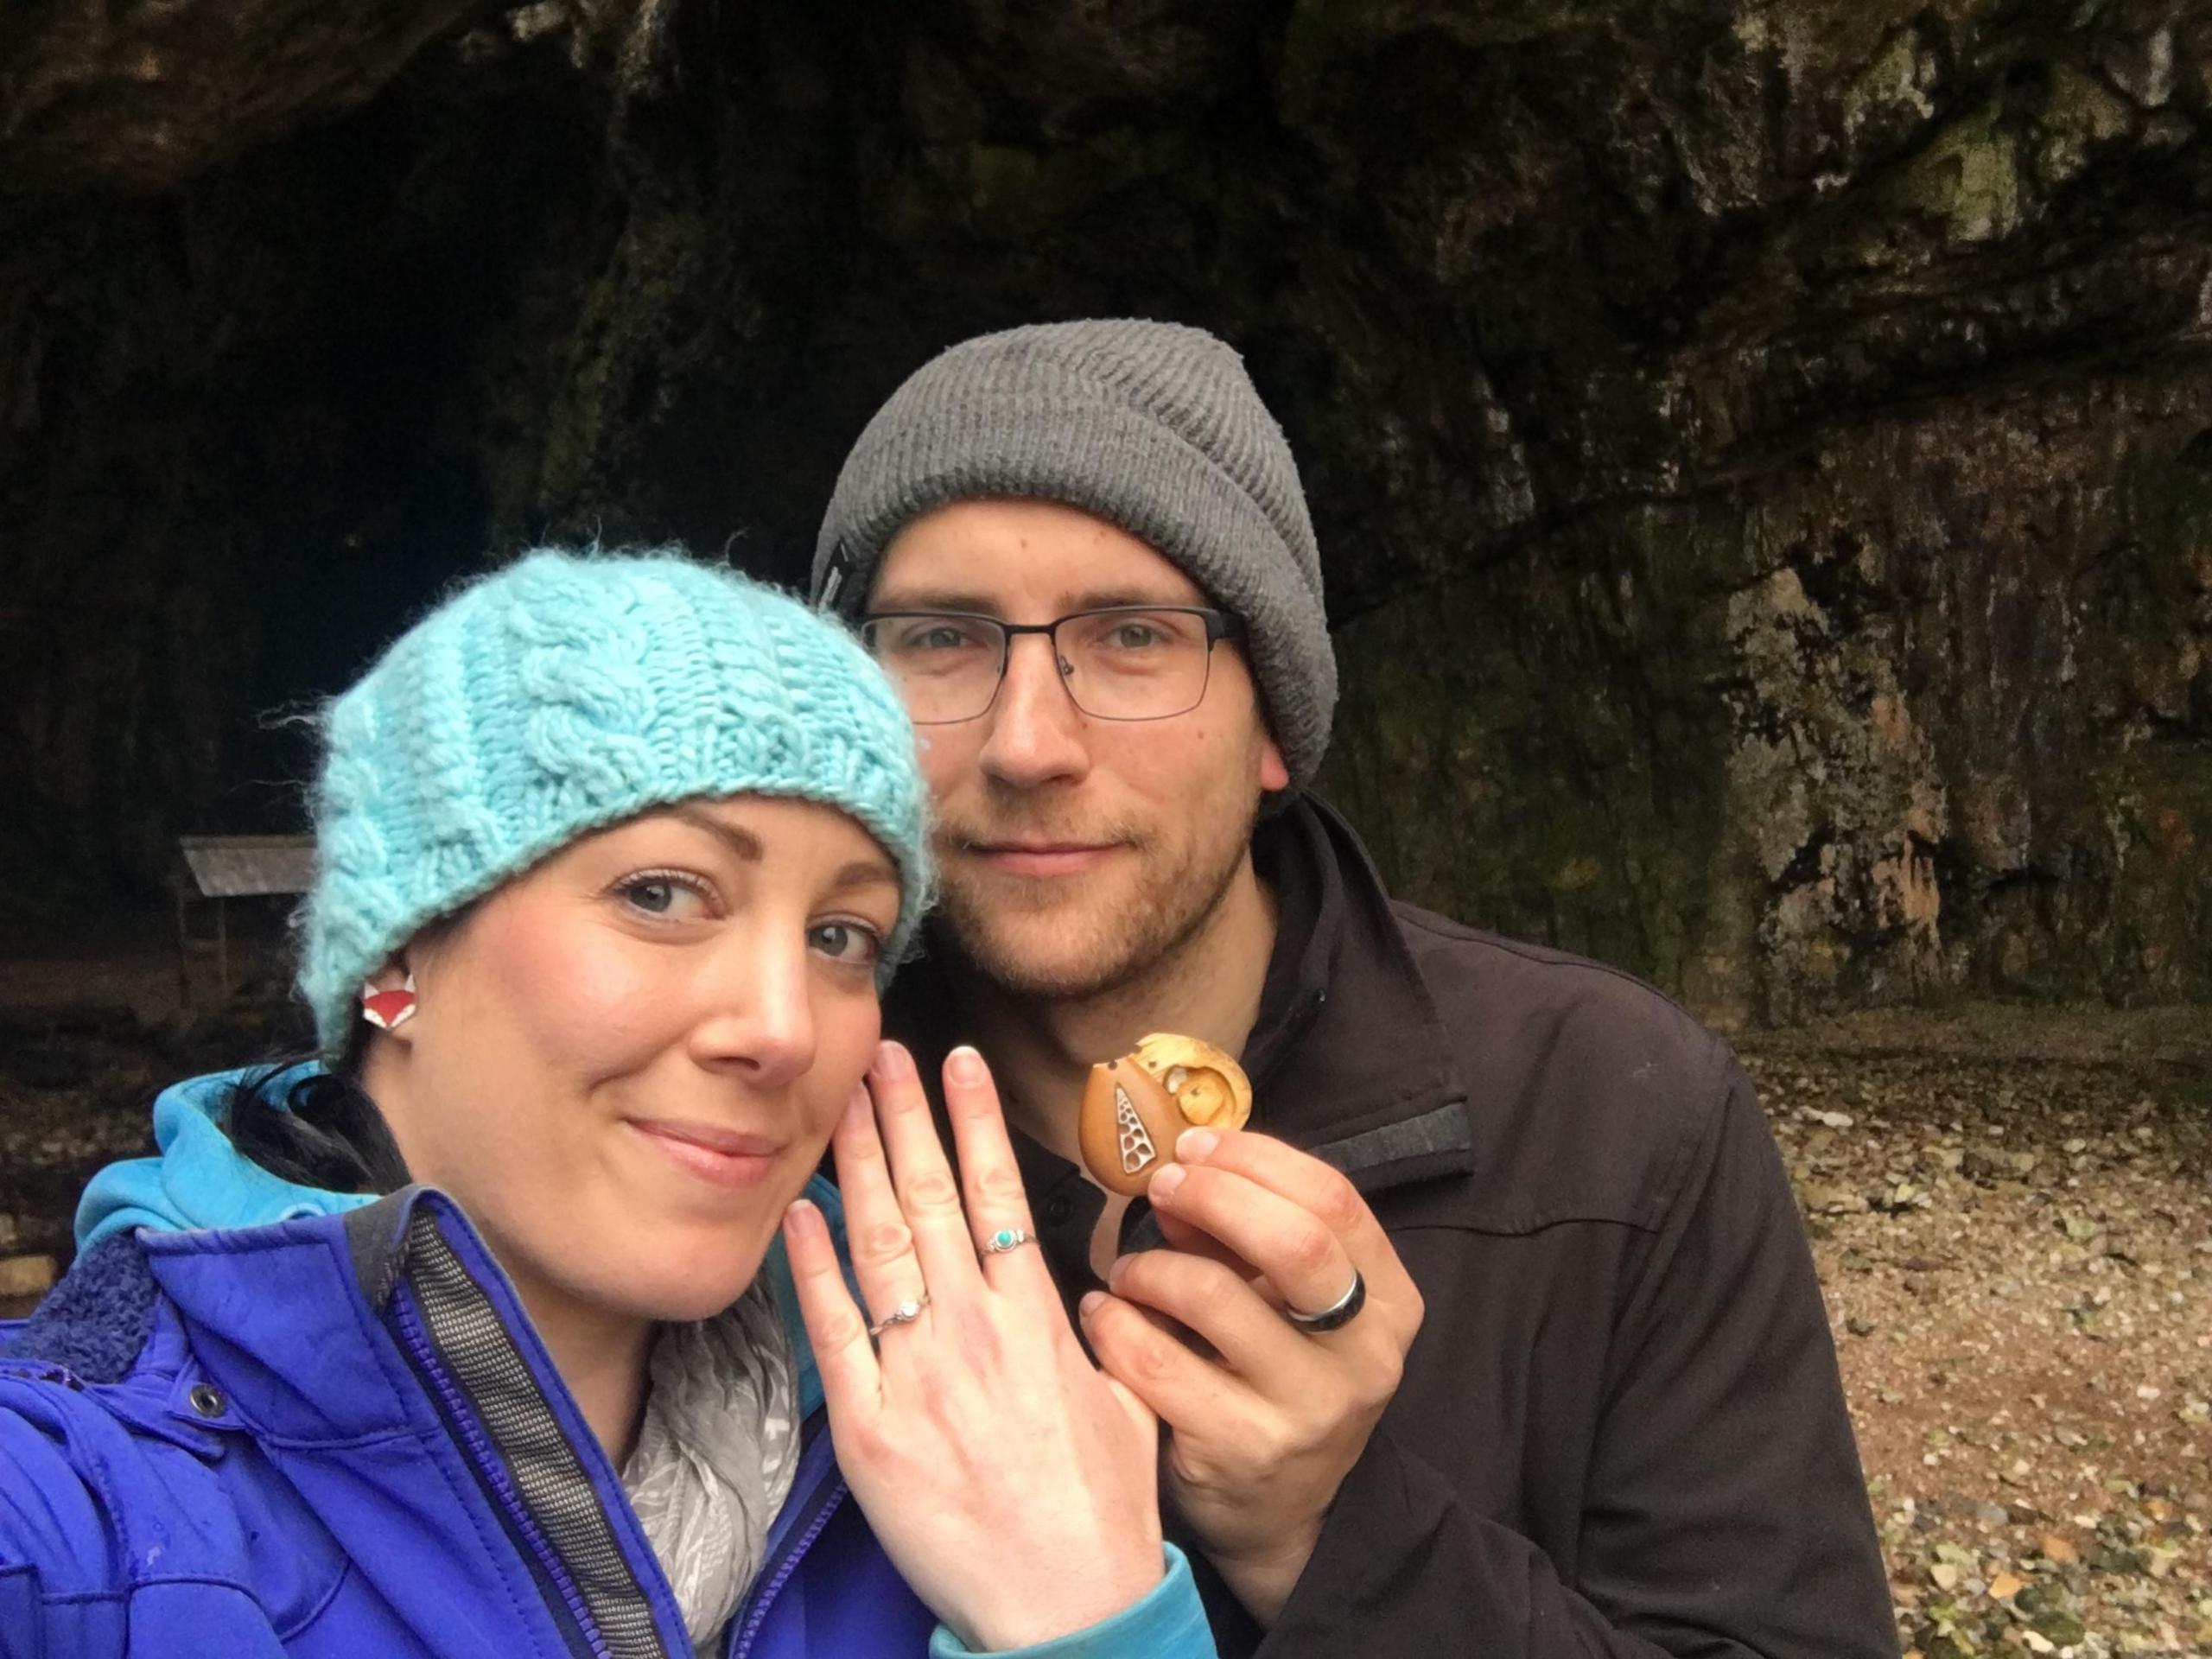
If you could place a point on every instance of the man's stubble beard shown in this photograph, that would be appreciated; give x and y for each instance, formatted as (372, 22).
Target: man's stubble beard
(1165, 912)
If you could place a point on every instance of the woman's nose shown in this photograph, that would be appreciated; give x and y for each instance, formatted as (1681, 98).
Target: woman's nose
(760, 1017)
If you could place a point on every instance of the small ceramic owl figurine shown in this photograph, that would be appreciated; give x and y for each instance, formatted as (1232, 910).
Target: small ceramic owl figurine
(1135, 1107)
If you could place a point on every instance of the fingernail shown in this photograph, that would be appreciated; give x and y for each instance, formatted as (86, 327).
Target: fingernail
(858, 1105)
(964, 1065)
(1164, 1183)
(1091, 1302)
(892, 1062)
(1114, 1272)
(798, 1213)
(1196, 1146)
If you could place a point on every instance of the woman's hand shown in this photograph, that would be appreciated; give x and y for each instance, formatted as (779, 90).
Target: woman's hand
(1013, 1484)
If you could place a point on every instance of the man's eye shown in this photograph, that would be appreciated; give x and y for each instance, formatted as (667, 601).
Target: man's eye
(846, 941)
(1137, 636)
(942, 637)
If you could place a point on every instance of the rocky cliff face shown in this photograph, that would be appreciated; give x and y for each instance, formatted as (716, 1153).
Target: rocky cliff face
(1762, 454)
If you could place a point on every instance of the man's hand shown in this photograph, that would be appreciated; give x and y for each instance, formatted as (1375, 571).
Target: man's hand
(1265, 1428)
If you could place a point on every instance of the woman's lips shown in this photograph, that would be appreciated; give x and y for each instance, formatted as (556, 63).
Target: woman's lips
(1042, 858)
(721, 1157)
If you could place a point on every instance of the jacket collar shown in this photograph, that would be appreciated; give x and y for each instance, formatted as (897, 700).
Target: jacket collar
(289, 1319)
(1348, 1058)
(196, 1177)
(96, 1320)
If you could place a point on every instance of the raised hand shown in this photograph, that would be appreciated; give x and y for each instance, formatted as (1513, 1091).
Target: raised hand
(1013, 1485)
(1264, 1429)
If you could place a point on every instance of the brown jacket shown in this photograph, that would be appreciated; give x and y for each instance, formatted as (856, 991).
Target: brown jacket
(1621, 1430)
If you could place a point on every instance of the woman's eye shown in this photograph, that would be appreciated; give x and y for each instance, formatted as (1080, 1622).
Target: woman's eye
(847, 942)
(661, 895)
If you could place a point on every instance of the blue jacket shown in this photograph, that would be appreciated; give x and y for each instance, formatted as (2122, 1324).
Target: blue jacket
(338, 1435)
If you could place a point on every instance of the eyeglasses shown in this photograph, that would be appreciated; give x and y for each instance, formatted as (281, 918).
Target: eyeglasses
(1129, 662)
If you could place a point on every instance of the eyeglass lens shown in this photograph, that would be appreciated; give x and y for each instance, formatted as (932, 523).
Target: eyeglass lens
(1125, 664)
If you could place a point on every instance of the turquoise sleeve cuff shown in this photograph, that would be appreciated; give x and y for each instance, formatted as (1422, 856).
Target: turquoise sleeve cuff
(1168, 1623)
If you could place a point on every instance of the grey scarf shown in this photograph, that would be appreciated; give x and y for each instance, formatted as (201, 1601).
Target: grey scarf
(716, 1455)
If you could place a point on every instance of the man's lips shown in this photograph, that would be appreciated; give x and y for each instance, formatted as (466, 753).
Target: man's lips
(720, 1156)
(1041, 858)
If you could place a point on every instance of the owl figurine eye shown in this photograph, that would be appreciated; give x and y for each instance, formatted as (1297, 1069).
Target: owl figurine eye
(1135, 1107)
(1209, 1088)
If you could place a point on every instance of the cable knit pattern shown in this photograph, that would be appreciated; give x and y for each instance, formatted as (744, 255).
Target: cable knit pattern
(1152, 426)
(566, 693)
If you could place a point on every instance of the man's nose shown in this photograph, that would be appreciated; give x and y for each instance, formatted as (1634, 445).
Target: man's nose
(1037, 733)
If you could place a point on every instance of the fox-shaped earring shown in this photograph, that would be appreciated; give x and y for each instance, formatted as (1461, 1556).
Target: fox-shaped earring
(388, 1010)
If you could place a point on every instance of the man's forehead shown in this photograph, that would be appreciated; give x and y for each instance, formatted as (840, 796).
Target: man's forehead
(998, 556)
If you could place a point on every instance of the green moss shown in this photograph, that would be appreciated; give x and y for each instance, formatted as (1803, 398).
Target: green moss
(2083, 106)
(1892, 93)
(1319, 29)
(2169, 503)
(1968, 178)
(1320, 32)
(1001, 175)
(1531, 749)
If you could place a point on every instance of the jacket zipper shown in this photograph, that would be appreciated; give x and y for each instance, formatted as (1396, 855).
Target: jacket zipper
(420, 1348)
(763, 1595)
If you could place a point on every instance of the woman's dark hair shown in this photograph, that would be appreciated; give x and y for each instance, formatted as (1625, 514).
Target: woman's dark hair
(321, 1130)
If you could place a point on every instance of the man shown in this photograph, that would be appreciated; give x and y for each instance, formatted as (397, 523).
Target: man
(1496, 1334)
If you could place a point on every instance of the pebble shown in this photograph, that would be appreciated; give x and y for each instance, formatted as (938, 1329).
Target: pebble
(26, 1275)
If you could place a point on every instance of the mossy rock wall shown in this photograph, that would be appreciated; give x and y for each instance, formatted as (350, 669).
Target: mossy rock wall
(1762, 453)
(1809, 742)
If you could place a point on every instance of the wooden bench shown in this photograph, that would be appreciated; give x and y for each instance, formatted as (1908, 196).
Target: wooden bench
(218, 868)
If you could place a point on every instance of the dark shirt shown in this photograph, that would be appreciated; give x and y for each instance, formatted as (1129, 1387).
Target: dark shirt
(1620, 1430)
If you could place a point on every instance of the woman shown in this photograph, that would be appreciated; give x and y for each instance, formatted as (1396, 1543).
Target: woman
(613, 857)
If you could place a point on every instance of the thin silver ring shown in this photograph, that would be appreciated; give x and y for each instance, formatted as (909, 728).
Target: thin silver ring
(905, 1313)
(1008, 1239)
(1339, 1313)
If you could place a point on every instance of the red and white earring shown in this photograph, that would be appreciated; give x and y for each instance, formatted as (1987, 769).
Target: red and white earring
(388, 1010)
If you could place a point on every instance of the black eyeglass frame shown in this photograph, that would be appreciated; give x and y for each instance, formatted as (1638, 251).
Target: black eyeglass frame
(1220, 624)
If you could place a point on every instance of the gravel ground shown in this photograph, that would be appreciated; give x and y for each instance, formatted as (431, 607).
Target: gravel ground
(2012, 1219)
(2012, 1211)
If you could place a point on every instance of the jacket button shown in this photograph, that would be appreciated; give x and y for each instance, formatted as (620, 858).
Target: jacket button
(207, 1400)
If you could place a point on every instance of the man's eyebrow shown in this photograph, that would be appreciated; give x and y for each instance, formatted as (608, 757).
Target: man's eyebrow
(1111, 599)
(934, 599)
(1095, 599)
(743, 844)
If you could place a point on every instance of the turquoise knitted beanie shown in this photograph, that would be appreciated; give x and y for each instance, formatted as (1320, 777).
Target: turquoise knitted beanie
(565, 693)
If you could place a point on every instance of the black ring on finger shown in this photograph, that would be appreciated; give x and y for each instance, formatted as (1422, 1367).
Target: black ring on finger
(1339, 1313)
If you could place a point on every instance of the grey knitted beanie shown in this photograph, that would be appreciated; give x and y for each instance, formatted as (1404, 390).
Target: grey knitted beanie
(1152, 426)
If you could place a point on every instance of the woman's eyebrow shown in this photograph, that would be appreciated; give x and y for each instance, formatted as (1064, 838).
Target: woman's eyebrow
(865, 873)
(743, 844)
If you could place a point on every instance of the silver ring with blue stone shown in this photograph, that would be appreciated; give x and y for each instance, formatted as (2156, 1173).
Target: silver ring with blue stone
(1006, 1239)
